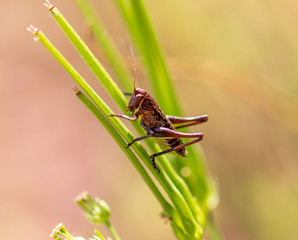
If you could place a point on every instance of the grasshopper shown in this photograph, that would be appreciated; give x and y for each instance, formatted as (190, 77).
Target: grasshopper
(159, 125)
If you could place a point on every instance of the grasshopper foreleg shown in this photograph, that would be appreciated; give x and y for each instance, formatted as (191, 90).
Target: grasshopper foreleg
(149, 131)
(134, 118)
(149, 134)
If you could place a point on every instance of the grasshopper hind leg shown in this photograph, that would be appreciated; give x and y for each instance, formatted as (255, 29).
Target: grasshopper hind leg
(154, 164)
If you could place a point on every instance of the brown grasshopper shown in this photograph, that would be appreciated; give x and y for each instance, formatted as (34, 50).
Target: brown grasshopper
(159, 125)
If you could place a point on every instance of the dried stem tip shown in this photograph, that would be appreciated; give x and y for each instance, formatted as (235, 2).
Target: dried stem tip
(77, 92)
(33, 30)
(49, 5)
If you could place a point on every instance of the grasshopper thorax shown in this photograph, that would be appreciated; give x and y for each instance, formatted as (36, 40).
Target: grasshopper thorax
(136, 100)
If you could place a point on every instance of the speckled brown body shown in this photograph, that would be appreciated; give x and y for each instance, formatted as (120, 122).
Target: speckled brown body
(152, 116)
(158, 125)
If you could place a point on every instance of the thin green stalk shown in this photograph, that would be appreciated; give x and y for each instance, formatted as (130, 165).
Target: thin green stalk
(112, 231)
(138, 23)
(175, 187)
(142, 32)
(172, 184)
(106, 43)
(174, 195)
(122, 144)
(187, 214)
(98, 235)
(213, 229)
(89, 57)
(102, 116)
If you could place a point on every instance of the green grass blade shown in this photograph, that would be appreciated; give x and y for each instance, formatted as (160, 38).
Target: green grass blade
(90, 59)
(188, 213)
(173, 193)
(173, 184)
(141, 31)
(106, 43)
(102, 116)
(138, 23)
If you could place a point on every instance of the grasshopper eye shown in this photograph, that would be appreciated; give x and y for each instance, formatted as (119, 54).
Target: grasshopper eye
(134, 102)
(138, 98)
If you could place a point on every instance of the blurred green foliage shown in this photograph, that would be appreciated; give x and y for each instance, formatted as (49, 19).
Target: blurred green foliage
(237, 62)
(239, 58)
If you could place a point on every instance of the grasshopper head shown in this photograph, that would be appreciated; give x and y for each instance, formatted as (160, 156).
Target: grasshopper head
(136, 100)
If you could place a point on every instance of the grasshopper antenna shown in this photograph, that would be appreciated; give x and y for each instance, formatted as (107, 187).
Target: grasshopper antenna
(134, 67)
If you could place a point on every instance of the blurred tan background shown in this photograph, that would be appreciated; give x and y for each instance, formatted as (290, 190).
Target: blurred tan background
(234, 60)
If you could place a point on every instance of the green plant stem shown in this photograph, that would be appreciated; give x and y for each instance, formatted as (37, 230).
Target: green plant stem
(122, 144)
(188, 213)
(112, 231)
(173, 184)
(213, 229)
(106, 43)
(114, 133)
(90, 59)
(138, 23)
(98, 235)
(166, 206)
(175, 196)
